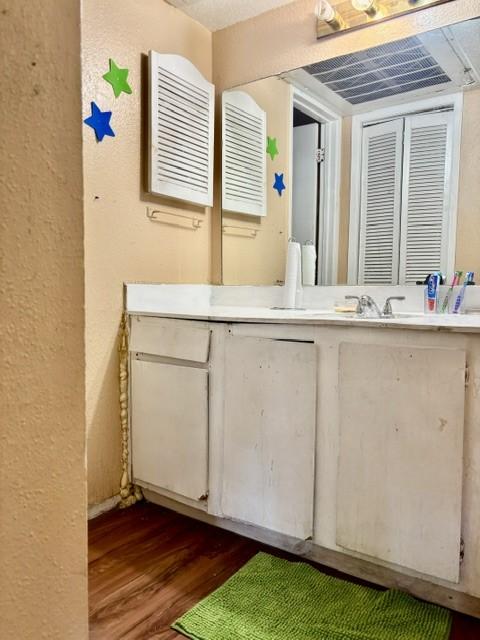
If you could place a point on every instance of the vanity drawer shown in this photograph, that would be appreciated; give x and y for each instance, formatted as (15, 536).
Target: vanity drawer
(179, 339)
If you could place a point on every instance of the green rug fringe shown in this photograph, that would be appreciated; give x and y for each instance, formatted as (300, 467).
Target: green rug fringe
(274, 599)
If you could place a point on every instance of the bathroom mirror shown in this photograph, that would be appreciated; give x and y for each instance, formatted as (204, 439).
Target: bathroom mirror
(371, 160)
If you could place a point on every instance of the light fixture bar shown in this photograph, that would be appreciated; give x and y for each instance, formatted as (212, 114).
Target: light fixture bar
(357, 14)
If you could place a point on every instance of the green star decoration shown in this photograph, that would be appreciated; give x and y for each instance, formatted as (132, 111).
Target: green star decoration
(118, 79)
(272, 149)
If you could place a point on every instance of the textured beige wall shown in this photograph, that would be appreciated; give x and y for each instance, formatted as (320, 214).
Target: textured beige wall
(120, 243)
(468, 227)
(43, 583)
(261, 259)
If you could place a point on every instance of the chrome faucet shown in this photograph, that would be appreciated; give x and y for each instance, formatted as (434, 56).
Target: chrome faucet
(366, 305)
(387, 307)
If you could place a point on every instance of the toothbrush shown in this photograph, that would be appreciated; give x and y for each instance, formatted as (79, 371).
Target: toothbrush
(458, 302)
(455, 282)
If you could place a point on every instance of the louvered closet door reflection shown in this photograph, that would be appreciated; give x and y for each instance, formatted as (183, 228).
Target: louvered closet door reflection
(426, 195)
(380, 203)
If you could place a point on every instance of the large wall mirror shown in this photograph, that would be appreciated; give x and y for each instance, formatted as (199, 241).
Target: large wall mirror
(371, 161)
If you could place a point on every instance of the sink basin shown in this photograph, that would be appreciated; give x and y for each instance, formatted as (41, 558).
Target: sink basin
(351, 316)
(396, 316)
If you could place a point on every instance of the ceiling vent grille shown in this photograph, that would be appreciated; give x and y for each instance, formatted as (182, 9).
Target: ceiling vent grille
(388, 70)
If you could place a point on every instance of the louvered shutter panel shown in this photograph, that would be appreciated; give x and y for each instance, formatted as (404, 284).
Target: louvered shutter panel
(380, 203)
(244, 162)
(181, 130)
(426, 195)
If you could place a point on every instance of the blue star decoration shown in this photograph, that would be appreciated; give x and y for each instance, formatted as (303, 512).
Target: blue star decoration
(279, 184)
(100, 122)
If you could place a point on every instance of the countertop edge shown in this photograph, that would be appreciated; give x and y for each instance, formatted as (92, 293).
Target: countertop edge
(397, 323)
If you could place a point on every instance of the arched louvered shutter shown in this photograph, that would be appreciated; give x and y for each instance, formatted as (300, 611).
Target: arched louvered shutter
(244, 132)
(426, 196)
(380, 203)
(181, 130)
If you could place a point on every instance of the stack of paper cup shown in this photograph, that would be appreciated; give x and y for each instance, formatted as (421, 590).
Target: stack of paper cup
(309, 262)
(293, 275)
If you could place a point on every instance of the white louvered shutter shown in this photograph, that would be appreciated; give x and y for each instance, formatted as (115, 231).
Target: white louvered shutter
(181, 130)
(426, 195)
(244, 162)
(380, 203)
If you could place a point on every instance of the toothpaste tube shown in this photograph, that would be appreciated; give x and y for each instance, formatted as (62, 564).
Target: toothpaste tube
(432, 293)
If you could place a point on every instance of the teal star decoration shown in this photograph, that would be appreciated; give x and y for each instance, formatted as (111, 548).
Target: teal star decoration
(272, 149)
(118, 79)
(279, 184)
(100, 122)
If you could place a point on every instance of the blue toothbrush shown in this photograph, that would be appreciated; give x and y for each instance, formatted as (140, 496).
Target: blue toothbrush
(458, 302)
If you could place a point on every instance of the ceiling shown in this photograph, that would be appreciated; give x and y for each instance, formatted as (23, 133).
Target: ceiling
(218, 14)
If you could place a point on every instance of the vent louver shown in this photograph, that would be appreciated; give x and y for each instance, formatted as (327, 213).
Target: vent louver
(181, 130)
(244, 130)
(426, 194)
(381, 203)
(388, 70)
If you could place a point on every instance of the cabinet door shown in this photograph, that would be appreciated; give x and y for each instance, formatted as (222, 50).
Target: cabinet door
(170, 427)
(269, 434)
(399, 491)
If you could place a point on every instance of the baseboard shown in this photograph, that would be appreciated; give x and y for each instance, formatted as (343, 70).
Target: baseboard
(96, 510)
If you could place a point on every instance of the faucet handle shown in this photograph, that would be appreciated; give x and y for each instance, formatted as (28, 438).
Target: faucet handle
(387, 307)
(359, 308)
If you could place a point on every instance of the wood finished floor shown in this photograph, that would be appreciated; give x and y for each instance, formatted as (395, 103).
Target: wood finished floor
(148, 565)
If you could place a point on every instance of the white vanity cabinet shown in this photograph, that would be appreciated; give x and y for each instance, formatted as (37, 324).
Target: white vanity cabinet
(358, 447)
(400, 469)
(269, 425)
(169, 406)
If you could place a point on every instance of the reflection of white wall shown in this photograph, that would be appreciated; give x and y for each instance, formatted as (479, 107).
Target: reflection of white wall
(305, 183)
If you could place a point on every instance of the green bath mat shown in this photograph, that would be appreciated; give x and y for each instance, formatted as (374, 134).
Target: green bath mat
(274, 599)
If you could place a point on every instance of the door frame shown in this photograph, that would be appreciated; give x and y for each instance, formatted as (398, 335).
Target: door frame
(454, 101)
(329, 208)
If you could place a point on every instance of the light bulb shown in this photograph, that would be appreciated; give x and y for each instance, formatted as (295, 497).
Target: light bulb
(326, 12)
(370, 7)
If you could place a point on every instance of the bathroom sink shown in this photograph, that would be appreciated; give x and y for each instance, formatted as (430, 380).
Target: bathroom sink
(396, 316)
(352, 316)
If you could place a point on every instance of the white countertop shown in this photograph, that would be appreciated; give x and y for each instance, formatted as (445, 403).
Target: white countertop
(203, 302)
